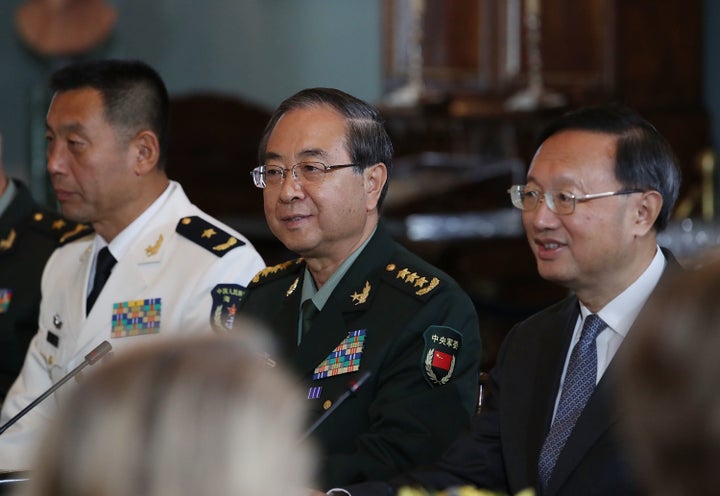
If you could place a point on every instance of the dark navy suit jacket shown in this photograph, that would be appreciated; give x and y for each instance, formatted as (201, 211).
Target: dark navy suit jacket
(501, 449)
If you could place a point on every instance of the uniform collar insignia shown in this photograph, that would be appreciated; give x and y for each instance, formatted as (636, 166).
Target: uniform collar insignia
(360, 298)
(151, 250)
(293, 287)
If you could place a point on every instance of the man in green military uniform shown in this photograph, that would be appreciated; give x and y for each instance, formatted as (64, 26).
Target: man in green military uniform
(357, 302)
(28, 235)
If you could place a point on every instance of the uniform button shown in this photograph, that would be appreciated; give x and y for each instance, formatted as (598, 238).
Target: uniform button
(327, 404)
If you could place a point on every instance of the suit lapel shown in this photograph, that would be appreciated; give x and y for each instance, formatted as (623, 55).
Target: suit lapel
(594, 421)
(552, 344)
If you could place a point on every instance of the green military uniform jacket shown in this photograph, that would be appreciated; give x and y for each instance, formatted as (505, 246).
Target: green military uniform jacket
(28, 235)
(407, 323)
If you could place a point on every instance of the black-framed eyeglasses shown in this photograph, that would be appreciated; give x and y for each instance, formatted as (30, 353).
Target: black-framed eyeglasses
(269, 176)
(560, 202)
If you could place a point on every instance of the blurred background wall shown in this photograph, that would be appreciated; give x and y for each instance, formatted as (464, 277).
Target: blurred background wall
(228, 63)
(261, 50)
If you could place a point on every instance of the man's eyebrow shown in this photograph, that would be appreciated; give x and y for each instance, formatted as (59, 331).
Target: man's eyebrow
(71, 127)
(313, 153)
(309, 153)
(558, 182)
(272, 156)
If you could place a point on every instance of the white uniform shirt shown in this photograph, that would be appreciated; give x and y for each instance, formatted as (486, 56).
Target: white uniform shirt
(165, 276)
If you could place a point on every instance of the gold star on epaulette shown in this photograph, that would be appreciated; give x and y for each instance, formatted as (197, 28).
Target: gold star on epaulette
(402, 274)
(360, 298)
(414, 279)
(60, 230)
(203, 233)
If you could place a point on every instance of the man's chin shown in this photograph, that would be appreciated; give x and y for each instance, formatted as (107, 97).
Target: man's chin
(552, 273)
(74, 214)
(292, 240)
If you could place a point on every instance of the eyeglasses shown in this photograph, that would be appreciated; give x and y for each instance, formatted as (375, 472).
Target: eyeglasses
(270, 176)
(560, 202)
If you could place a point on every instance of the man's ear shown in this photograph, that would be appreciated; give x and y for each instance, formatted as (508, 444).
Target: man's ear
(147, 151)
(375, 179)
(648, 209)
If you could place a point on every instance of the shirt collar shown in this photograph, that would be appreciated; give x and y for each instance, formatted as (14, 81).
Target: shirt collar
(320, 297)
(620, 313)
(121, 244)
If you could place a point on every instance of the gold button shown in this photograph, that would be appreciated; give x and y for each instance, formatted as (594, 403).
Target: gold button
(390, 267)
(327, 404)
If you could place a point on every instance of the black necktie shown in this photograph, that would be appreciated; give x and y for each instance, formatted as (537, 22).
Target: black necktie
(103, 267)
(309, 310)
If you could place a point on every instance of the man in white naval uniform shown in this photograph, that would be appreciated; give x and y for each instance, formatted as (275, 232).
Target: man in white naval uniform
(106, 141)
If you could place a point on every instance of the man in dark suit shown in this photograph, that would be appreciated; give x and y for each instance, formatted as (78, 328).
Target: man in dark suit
(378, 308)
(28, 235)
(602, 183)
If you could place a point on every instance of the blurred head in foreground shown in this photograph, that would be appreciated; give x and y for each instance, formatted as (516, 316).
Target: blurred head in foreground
(200, 416)
(670, 386)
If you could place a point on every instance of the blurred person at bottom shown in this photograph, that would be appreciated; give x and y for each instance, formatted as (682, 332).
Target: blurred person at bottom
(670, 386)
(199, 415)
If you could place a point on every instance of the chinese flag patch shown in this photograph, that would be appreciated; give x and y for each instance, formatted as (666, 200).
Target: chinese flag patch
(440, 354)
(441, 360)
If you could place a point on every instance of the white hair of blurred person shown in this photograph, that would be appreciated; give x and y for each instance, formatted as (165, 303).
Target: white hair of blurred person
(204, 415)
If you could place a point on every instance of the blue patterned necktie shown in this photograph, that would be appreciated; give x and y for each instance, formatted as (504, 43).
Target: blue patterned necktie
(579, 384)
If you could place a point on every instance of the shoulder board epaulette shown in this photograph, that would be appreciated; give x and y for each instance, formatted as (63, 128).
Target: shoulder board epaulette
(54, 226)
(276, 271)
(207, 235)
(410, 281)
